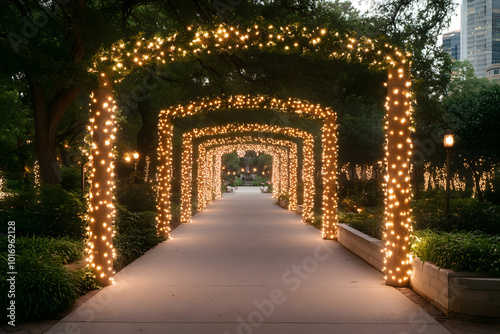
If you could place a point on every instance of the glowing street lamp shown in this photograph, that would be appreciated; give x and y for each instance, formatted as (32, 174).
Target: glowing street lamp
(448, 144)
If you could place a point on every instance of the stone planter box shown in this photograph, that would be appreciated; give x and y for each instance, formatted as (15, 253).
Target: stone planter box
(284, 203)
(453, 292)
(456, 292)
(364, 246)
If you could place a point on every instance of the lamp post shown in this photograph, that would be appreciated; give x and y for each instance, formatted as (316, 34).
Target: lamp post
(448, 144)
(136, 159)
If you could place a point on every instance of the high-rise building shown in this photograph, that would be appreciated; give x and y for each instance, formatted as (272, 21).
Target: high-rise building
(481, 34)
(451, 44)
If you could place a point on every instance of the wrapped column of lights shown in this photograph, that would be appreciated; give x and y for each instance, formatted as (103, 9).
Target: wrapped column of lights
(398, 151)
(278, 154)
(292, 161)
(186, 177)
(166, 132)
(319, 42)
(308, 165)
(101, 211)
(205, 165)
(329, 171)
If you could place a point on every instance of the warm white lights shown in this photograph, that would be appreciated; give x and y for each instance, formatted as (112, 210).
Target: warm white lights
(319, 42)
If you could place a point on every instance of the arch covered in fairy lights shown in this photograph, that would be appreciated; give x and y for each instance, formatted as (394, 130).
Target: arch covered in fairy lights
(209, 153)
(115, 63)
(187, 163)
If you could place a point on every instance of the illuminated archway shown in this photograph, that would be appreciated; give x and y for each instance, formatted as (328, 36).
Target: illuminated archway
(292, 106)
(187, 161)
(278, 154)
(116, 62)
(207, 156)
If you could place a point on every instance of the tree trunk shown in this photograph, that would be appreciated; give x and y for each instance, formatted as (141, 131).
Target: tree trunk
(47, 119)
(146, 137)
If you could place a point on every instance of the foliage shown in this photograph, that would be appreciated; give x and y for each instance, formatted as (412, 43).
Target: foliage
(136, 233)
(15, 130)
(368, 221)
(235, 182)
(317, 222)
(460, 251)
(284, 197)
(136, 195)
(354, 194)
(64, 249)
(44, 289)
(261, 181)
(50, 211)
(466, 214)
(493, 194)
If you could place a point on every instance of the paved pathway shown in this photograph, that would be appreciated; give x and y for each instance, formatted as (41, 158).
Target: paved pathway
(247, 266)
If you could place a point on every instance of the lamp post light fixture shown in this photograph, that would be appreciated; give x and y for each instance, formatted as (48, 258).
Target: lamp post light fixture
(449, 140)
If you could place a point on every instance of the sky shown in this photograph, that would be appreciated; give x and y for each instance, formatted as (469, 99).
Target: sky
(455, 23)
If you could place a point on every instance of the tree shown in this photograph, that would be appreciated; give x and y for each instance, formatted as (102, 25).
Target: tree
(472, 111)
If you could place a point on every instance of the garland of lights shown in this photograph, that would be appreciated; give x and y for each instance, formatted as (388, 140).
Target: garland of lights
(290, 174)
(278, 154)
(319, 42)
(187, 160)
(100, 231)
(197, 41)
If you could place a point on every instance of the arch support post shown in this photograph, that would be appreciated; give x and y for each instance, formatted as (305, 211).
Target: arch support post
(166, 133)
(329, 173)
(100, 235)
(397, 213)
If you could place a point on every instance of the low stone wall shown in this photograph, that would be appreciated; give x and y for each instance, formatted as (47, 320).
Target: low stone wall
(364, 246)
(453, 292)
(456, 292)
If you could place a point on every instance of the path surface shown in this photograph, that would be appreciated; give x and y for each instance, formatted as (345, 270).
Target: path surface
(247, 266)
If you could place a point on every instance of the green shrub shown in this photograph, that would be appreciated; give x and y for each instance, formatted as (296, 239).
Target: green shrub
(284, 197)
(317, 222)
(238, 182)
(44, 287)
(136, 233)
(369, 221)
(49, 212)
(136, 197)
(459, 251)
(261, 181)
(85, 280)
(362, 193)
(466, 214)
(66, 249)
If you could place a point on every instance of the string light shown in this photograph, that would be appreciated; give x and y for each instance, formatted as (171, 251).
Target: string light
(187, 160)
(319, 42)
(101, 210)
(288, 175)
(398, 151)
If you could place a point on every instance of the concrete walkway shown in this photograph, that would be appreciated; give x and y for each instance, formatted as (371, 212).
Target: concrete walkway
(247, 266)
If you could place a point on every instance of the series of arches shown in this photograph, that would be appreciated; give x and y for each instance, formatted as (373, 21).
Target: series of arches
(115, 63)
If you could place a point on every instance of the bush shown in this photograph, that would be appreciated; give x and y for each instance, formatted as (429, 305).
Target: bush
(459, 251)
(136, 197)
(369, 221)
(261, 181)
(65, 249)
(466, 214)
(51, 212)
(361, 192)
(317, 222)
(136, 233)
(44, 288)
